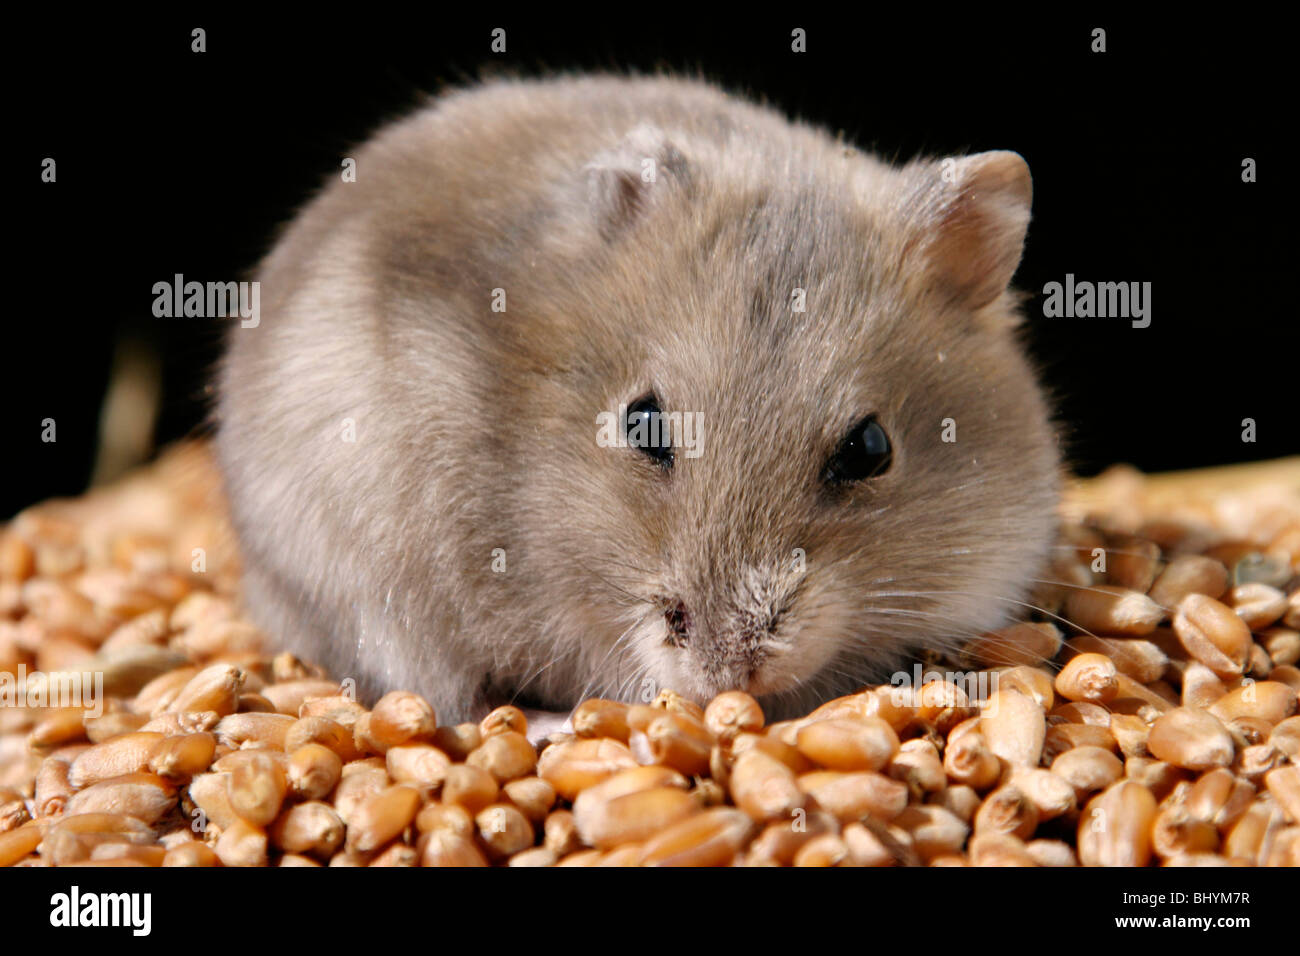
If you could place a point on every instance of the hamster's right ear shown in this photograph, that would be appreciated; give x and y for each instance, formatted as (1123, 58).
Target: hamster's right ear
(623, 182)
(976, 212)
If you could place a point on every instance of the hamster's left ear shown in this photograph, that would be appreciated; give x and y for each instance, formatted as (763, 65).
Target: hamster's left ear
(977, 213)
(622, 182)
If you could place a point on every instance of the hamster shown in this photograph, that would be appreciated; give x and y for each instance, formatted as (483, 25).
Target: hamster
(414, 437)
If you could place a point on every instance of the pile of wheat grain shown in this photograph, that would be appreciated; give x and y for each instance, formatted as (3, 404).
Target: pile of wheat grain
(1145, 714)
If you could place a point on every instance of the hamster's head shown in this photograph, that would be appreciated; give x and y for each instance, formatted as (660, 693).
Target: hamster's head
(806, 442)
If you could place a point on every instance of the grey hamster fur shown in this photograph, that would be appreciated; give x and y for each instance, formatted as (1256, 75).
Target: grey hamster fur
(415, 476)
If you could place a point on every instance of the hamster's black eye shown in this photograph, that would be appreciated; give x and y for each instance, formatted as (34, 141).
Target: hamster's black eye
(649, 430)
(865, 452)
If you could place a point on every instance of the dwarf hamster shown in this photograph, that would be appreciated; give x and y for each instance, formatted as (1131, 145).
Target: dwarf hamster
(415, 435)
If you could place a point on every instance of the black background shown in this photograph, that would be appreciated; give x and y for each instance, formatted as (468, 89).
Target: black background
(171, 161)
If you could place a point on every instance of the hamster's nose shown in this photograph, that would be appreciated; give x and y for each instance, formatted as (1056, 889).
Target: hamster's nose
(680, 625)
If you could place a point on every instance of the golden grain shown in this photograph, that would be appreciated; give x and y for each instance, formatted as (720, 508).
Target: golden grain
(1115, 826)
(381, 817)
(506, 754)
(1213, 634)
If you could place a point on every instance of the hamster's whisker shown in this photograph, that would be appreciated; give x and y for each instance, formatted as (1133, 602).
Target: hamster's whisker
(598, 670)
(968, 484)
(866, 546)
(533, 676)
(954, 641)
(626, 686)
(928, 572)
(636, 671)
(1087, 587)
(999, 597)
(921, 614)
(634, 598)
